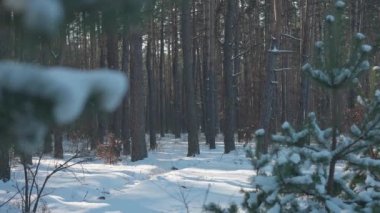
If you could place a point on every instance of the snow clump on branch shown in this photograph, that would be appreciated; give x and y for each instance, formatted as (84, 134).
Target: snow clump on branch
(59, 95)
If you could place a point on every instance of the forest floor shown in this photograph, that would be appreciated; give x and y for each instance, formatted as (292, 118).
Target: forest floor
(166, 181)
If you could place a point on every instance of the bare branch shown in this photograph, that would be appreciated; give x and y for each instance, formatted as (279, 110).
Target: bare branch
(34, 174)
(9, 199)
(240, 54)
(276, 51)
(60, 167)
(283, 69)
(291, 37)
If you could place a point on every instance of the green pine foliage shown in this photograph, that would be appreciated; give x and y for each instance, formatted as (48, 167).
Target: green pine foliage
(294, 176)
(324, 170)
(212, 207)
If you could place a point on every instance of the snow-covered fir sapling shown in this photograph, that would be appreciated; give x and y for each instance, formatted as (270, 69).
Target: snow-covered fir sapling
(334, 170)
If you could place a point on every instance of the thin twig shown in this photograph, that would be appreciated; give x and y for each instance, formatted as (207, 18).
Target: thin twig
(206, 196)
(290, 36)
(3, 204)
(34, 174)
(240, 54)
(346, 150)
(61, 167)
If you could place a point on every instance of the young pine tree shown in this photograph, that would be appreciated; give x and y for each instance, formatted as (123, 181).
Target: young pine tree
(324, 170)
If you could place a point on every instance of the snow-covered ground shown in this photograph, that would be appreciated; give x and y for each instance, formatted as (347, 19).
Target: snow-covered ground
(166, 181)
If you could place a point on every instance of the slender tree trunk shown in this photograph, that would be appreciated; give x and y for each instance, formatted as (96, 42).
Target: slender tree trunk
(113, 63)
(161, 66)
(186, 34)
(58, 146)
(48, 144)
(125, 126)
(229, 108)
(336, 118)
(138, 86)
(94, 133)
(210, 77)
(236, 70)
(151, 97)
(101, 117)
(5, 171)
(305, 84)
(5, 168)
(176, 78)
(205, 69)
(269, 92)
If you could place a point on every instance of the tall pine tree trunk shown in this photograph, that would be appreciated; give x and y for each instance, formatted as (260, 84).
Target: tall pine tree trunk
(269, 92)
(138, 97)
(176, 78)
(191, 115)
(151, 96)
(161, 69)
(113, 63)
(210, 129)
(305, 84)
(229, 110)
(125, 125)
(5, 171)
(102, 127)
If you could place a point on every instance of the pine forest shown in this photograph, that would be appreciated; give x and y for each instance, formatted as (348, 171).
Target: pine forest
(189, 106)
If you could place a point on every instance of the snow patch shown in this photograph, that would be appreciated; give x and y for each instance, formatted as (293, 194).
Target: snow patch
(144, 186)
(260, 132)
(366, 48)
(340, 4)
(377, 95)
(319, 44)
(330, 18)
(275, 209)
(360, 36)
(295, 158)
(365, 65)
(267, 183)
(299, 180)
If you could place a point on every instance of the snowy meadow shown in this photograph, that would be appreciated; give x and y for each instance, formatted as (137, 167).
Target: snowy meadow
(164, 182)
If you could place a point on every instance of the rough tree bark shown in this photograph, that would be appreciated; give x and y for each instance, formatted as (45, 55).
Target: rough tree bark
(176, 78)
(113, 63)
(161, 69)
(229, 108)
(186, 35)
(58, 140)
(210, 129)
(5, 171)
(269, 92)
(138, 95)
(304, 49)
(151, 96)
(125, 125)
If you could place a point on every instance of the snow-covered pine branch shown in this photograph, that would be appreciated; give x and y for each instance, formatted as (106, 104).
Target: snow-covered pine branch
(33, 97)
